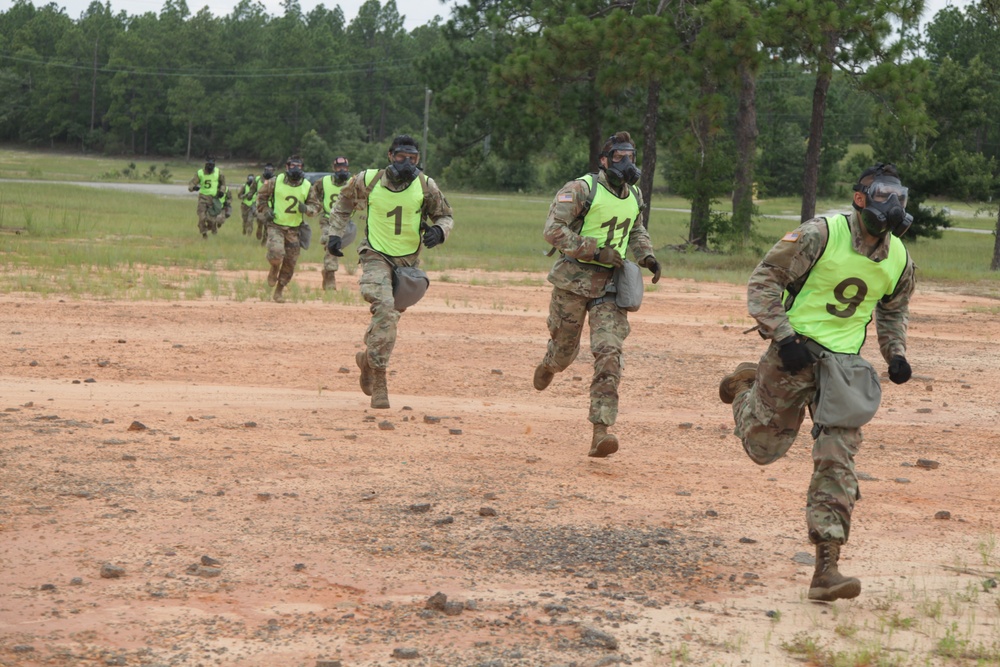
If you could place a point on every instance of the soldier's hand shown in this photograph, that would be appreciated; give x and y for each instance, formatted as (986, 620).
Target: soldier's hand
(303, 208)
(192, 188)
(333, 246)
(649, 262)
(608, 255)
(433, 236)
(899, 369)
(794, 355)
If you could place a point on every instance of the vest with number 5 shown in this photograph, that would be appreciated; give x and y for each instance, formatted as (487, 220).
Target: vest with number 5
(393, 217)
(286, 201)
(839, 295)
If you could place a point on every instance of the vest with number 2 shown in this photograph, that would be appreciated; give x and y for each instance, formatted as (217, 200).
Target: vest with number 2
(838, 298)
(286, 201)
(393, 217)
(208, 182)
(610, 219)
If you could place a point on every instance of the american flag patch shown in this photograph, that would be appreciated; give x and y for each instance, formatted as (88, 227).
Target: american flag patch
(791, 237)
(565, 198)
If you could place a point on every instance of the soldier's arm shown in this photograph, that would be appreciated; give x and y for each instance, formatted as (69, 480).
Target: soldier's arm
(438, 209)
(315, 197)
(892, 315)
(350, 196)
(194, 183)
(639, 242)
(789, 260)
(264, 212)
(565, 208)
(222, 179)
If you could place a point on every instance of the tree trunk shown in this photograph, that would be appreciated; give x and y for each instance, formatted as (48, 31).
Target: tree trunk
(810, 175)
(649, 124)
(93, 90)
(190, 128)
(701, 201)
(995, 264)
(595, 137)
(746, 148)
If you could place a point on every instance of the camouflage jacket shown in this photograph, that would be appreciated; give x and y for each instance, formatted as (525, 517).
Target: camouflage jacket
(788, 263)
(354, 197)
(562, 229)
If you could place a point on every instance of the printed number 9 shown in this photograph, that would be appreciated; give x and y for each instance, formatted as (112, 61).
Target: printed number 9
(851, 302)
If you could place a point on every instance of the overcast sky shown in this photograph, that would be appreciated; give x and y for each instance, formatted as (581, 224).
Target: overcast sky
(416, 12)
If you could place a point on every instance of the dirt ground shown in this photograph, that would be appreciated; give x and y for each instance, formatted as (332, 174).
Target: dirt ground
(203, 483)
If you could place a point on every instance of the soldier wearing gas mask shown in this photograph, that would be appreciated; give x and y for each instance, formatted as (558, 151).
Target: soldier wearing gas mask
(281, 203)
(324, 195)
(813, 295)
(266, 175)
(207, 182)
(404, 212)
(591, 222)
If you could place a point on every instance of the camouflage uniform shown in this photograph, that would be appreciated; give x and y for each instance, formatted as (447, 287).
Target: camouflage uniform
(247, 212)
(205, 203)
(575, 286)
(220, 209)
(331, 262)
(769, 414)
(376, 274)
(282, 242)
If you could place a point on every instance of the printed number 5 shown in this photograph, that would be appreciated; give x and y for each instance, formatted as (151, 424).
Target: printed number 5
(851, 302)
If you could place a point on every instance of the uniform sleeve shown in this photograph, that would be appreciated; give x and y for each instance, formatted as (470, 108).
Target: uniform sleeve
(222, 179)
(639, 242)
(315, 198)
(786, 263)
(351, 197)
(194, 183)
(264, 199)
(438, 209)
(892, 315)
(565, 209)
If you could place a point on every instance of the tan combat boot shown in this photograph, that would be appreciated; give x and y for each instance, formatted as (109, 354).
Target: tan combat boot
(279, 296)
(740, 379)
(543, 377)
(828, 584)
(330, 281)
(361, 358)
(380, 392)
(272, 276)
(603, 443)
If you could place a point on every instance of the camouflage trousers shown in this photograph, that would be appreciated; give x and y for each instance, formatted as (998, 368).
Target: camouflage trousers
(247, 213)
(283, 250)
(609, 328)
(768, 418)
(376, 289)
(330, 262)
(206, 222)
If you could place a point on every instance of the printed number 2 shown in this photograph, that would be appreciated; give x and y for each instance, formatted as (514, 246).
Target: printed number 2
(294, 206)
(398, 214)
(612, 224)
(851, 302)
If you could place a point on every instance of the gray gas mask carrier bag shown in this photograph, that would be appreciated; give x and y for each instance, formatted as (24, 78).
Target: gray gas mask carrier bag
(628, 286)
(305, 235)
(848, 391)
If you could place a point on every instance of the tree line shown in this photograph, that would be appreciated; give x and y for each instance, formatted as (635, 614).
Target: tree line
(728, 99)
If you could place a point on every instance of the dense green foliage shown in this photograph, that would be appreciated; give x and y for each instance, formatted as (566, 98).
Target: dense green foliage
(724, 97)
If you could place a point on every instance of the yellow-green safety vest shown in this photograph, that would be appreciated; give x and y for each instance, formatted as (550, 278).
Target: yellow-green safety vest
(252, 193)
(393, 225)
(209, 182)
(838, 298)
(331, 193)
(610, 219)
(286, 201)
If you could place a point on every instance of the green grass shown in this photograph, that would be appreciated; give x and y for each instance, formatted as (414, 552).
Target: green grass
(83, 240)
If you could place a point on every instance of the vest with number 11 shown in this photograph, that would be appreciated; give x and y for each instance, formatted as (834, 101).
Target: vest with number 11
(610, 218)
(393, 217)
(839, 295)
(286, 201)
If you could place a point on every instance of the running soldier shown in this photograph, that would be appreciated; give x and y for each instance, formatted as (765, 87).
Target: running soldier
(281, 202)
(206, 183)
(324, 194)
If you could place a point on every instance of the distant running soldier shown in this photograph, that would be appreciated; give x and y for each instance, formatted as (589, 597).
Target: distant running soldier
(248, 195)
(324, 194)
(267, 175)
(591, 222)
(281, 202)
(813, 295)
(206, 183)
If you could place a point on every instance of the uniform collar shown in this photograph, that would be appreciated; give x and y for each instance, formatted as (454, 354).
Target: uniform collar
(862, 242)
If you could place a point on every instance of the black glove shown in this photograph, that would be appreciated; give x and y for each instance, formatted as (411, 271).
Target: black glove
(899, 369)
(333, 246)
(433, 236)
(302, 207)
(794, 355)
(608, 255)
(649, 262)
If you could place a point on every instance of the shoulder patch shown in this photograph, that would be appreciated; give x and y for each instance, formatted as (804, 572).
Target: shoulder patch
(791, 237)
(565, 198)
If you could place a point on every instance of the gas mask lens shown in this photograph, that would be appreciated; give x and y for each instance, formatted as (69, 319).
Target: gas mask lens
(881, 191)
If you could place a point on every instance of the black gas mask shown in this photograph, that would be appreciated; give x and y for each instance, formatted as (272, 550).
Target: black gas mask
(268, 173)
(340, 176)
(885, 206)
(405, 170)
(621, 168)
(209, 166)
(294, 171)
(250, 179)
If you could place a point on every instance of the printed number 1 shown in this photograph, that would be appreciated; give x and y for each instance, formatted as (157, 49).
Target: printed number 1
(851, 302)
(613, 224)
(398, 214)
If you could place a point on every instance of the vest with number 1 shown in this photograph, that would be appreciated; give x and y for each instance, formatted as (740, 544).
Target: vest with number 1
(286, 201)
(331, 193)
(610, 219)
(209, 182)
(838, 298)
(393, 217)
